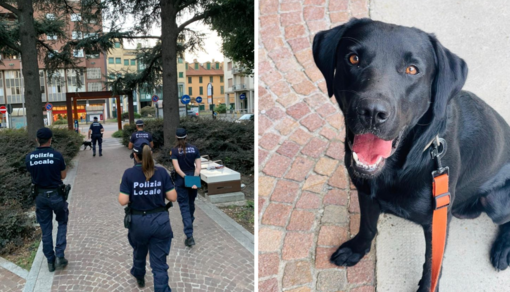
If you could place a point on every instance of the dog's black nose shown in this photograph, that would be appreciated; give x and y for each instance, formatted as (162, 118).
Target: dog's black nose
(373, 112)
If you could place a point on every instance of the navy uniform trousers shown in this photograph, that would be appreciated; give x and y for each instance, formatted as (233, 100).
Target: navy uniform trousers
(97, 138)
(151, 233)
(186, 199)
(49, 202)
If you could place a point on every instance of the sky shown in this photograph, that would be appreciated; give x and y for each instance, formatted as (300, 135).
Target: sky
(212, 42)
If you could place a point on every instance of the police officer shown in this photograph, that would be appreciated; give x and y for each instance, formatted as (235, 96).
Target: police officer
(141, 136)
(96, 129)
(186, 161)
(48, 168)
(144, 187)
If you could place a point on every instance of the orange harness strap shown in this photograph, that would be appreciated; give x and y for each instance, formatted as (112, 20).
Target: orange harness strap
(439, 225)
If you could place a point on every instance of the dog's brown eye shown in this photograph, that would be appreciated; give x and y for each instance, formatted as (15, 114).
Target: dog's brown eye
(354, 59)
(411, 70)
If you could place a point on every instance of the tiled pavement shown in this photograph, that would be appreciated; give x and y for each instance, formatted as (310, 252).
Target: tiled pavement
(10, 281)
(99, 253)
(307, 207)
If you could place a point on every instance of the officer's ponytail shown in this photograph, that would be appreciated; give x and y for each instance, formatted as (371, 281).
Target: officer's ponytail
(147, 162)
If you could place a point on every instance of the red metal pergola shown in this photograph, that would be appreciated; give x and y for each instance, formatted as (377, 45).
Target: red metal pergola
(73, 97)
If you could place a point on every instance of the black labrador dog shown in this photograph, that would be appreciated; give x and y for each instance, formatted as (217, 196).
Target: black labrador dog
(399, 88)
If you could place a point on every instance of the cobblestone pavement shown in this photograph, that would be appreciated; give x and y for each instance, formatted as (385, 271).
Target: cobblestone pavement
(307, 207)
(10, 281)
(99, 253)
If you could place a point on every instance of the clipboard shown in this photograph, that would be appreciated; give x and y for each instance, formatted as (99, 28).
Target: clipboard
(190, 181)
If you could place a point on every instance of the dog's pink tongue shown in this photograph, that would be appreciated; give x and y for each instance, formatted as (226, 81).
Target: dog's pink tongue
(369, 148)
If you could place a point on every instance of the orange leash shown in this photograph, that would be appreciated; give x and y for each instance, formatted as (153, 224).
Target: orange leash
(439, 224)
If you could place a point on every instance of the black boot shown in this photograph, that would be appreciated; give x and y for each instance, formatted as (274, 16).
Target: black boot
(100, 154)
(189, 241)
(61, 263)
(139, 281)
(94, 154)
(51, 266)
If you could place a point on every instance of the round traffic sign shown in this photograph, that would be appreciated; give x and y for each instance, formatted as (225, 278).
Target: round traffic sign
(242, 96)
(3, 109)
(199, 99)
(155, 98)
(185, 99)
(48, 106)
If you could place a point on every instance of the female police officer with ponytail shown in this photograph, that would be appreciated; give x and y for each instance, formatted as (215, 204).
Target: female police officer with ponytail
(144, 187)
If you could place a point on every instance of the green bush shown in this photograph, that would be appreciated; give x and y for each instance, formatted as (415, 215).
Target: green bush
(148, 110)
(15, 198)
(221, 140)
(117, 134)
(125, 116)
(221, 108)
(60, 122)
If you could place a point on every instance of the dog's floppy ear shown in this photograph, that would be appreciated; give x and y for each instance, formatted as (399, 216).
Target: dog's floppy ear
(450, 76)
(325, 44)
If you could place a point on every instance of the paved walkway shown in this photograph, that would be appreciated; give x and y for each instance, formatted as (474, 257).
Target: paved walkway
(9, 281)
(99, 253)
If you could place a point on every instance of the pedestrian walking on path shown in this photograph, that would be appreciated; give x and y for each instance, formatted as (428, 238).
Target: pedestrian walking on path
(144, 187)
(140, 135)
(186, 162)
(48, 168)
(96, 130)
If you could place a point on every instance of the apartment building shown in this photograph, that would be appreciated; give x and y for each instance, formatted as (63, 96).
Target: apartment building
(199, 76)
(92, 69)
(240, 88)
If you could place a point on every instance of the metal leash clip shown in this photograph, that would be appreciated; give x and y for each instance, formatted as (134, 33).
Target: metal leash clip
(436, 154)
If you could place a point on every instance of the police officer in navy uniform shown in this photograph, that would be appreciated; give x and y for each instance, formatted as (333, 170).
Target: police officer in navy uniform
(48, 168)
(141, 136)
(144, 187)
(96, 130)
(186, 161)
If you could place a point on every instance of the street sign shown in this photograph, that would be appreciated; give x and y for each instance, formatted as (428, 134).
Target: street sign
(242, 96)
(185, 99)
(48, 106)
(155, 98)
(3, 109)
(198, 99)
(9, 108)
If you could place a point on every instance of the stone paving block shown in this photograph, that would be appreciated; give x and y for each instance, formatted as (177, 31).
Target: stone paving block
(331, 280)
(334, 214)
(10, 282)
(297, 273)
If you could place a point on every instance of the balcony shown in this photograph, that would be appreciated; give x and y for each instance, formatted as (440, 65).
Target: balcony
(238, 70)
(239, 87)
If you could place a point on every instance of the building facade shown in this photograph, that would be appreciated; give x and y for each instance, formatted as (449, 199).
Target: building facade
(90, 74)
(198, 76)
(239, 89)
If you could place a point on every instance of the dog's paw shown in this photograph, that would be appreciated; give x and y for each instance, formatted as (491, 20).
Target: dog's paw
(350, 253)
(500, 253)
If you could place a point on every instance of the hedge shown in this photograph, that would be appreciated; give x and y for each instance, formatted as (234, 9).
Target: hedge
(15, 199)
(221, 140)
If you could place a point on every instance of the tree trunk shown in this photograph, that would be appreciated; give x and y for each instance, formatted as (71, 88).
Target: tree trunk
(28, 39)
(169, 33)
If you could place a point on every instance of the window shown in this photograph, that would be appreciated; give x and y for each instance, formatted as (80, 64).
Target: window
(186, 66)
(201, 90)
(221, 89)
(200, 79)
(56, 86)
(117, 45)
(110, 60)
(208, 66)
(221, 79)
(180, 60)
(133, 62)
(50, 16)
(211, 79)
(95, 86)
(76, 35)
(189, 80)
(78, 53)
(229, 66)
(126, 62)
(51, 37)
(72, 80)
(217, 65)
(76, 17)
(92, 55)
(190, 91)
(196, 66)
(230, 82)
(43, 88)
(93, 73)
(14, 86)
(92, 19)
(92, 35)
(118, 61)
(2, 100)
(181, 74)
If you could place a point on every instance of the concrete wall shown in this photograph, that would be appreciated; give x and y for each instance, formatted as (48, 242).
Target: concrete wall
(477, 31)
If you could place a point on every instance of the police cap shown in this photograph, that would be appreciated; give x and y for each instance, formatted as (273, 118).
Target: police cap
(44, 133)
(139, 123)
(181, 133)
(95, 118)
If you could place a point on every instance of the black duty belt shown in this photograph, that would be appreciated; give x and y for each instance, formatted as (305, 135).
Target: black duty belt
(157, 210)
(47, 192)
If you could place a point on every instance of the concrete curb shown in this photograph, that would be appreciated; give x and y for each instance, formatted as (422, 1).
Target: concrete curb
(39, 278)
(13, 268)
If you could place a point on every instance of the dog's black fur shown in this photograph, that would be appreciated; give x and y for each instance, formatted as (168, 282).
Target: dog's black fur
(417, 108)
(87, 144)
